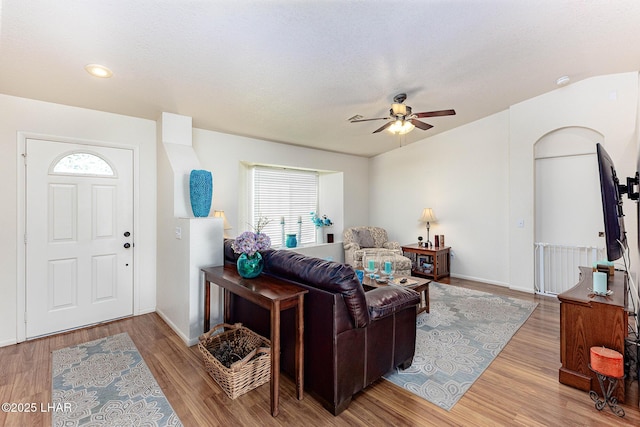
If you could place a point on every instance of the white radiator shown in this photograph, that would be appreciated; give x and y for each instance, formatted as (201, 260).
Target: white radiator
(556, 268)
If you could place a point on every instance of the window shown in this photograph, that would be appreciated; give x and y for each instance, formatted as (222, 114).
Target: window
(288, 193)
(82, 164)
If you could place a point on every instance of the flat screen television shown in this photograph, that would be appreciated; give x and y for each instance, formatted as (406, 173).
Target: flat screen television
(615, 235)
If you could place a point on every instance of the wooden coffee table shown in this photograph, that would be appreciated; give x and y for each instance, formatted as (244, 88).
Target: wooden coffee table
(418, 284)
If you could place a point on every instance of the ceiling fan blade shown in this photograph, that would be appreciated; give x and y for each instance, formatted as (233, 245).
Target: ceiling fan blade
(383, 127)
(436, 113)
(421, 125)
(368, 120)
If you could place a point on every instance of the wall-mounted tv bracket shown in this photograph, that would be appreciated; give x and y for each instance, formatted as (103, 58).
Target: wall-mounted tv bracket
(632, 184)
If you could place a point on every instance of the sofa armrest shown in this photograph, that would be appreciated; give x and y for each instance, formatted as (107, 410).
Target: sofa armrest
(387, 300)
(349, 251)
(351, 246)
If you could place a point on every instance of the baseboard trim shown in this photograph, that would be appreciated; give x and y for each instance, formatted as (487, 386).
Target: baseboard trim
(188, 342)
(493, 282)
(8, 342)
(480, 279)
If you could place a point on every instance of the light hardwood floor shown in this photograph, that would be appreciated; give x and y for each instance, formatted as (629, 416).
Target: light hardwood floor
(520, 388)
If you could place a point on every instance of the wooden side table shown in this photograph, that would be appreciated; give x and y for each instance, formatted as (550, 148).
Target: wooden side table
(274, 295)
(439, 256)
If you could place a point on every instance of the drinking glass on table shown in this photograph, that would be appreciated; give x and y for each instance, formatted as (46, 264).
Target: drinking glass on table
(387, 265)
(370, 264)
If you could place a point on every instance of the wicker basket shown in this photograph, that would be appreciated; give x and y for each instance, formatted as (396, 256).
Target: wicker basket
(246, 374)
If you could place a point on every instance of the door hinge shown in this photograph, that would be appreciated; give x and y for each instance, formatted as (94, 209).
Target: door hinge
(25, 317)
(24, 157)
(25, 238)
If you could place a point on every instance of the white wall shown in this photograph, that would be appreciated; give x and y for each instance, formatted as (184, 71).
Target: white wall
(222, 154)
(54, 120)
(463, 175)
(479, 178)
(606, 104)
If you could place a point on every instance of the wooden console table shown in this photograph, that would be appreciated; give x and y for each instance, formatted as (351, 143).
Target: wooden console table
(272, 294)
(588, 321)
(438, 255)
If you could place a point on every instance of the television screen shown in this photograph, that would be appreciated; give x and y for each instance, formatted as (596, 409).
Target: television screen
(615, 235)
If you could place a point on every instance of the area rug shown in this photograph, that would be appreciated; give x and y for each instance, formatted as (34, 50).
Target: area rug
(464, 331)
(107, 383)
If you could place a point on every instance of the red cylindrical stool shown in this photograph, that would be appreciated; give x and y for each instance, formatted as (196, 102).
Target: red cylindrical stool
(609, 367)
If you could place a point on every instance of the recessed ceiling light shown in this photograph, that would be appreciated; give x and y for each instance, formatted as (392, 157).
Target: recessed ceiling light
(98, 70)
(562, 81)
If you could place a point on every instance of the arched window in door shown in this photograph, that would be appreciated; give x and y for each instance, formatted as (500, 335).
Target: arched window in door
(82, 163)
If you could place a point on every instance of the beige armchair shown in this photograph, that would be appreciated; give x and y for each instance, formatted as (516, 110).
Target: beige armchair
(358, 240)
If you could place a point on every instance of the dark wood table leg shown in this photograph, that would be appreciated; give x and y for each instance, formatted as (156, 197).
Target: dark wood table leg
(426, 296)
(275, 357)
(207, 305)
(227, 306)
(300, 347)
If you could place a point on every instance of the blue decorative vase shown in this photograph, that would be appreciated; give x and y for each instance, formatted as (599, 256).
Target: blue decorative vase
(250, 267)
(200, 192)
(291, 241)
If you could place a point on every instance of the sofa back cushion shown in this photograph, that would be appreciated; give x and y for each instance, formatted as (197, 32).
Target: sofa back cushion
(326, 275)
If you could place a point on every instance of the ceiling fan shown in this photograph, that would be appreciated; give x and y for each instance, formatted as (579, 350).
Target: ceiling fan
(401, 120)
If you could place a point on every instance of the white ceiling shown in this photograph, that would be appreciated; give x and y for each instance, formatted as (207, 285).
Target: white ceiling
(294, 71)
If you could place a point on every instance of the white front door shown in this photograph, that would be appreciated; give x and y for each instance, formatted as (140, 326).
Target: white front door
(79, 235)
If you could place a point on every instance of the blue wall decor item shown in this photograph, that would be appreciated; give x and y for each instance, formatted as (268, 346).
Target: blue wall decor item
(292, 242)
(200, 192)
(250, 267)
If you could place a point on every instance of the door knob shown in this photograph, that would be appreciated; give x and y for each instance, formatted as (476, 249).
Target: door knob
(127, 245)
(127, 234)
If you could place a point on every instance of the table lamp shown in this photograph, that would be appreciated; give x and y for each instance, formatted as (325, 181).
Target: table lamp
(428, 216)
(227, 226)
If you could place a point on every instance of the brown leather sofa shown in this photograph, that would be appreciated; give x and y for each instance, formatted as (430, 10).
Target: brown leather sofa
(352, 337)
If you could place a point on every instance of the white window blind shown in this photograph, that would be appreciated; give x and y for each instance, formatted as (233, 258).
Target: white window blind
(288, 193)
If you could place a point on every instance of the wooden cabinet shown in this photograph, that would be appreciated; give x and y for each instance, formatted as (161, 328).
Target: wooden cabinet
(588, 320)
(438, 256)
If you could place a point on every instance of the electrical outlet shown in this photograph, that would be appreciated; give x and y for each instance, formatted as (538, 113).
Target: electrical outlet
(452, 254)
(600, 233)
(178, 233)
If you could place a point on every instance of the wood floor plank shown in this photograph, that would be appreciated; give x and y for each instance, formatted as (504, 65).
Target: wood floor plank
(520, 387)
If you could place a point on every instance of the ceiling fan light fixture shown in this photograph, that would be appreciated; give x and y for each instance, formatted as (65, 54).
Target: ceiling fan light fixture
(401, 127)
(398, 110)
(98, 70)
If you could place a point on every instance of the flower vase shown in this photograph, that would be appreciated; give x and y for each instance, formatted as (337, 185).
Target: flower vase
(291, 242)
(319, 235)
(200, 192)
(250, 266)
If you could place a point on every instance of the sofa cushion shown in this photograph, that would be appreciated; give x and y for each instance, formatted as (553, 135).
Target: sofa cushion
(363, 237)
(326, 275)
(387, 300)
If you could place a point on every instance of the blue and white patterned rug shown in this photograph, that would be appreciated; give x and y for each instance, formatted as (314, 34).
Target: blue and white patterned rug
(106, 383)
(464, 331)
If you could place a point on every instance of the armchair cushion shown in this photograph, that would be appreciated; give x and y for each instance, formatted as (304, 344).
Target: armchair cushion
(363, 238)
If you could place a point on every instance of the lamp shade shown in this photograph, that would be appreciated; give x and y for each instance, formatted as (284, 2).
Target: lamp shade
(427, 215)
(220, 214)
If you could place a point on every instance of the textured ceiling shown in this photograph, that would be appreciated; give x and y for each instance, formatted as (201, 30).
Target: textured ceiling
(295, 71)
